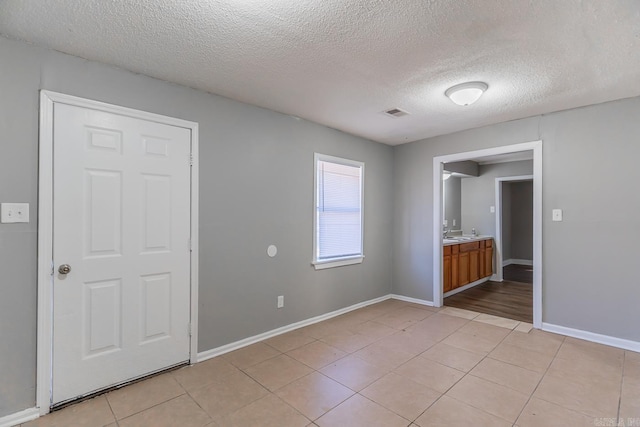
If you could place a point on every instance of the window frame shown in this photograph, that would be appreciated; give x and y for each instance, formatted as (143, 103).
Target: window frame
(342, 260)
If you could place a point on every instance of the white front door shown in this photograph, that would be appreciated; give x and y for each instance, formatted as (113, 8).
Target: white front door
(121, 209)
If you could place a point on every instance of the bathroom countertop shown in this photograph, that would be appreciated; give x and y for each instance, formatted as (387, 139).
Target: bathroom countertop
(456, 240)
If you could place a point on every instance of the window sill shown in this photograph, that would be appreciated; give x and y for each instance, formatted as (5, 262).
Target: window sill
(321, 265)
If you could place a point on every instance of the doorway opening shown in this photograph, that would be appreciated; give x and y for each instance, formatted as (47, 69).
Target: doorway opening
(514, 228)
(508, 152)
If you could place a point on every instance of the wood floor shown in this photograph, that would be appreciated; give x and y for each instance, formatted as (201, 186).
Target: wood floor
(510, 299)
(518, 273)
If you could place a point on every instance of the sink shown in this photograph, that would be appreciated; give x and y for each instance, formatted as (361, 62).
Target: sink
(449, 240)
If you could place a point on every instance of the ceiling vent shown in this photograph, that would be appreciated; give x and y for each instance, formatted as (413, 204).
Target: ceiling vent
(396, 112)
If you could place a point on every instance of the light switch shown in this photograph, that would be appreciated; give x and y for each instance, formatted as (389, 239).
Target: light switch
(14, 212)
(492, 209)
(556, 215)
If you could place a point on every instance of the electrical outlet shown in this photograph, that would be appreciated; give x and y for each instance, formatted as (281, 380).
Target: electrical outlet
(556, 215)
(280, 301)
(454, 222)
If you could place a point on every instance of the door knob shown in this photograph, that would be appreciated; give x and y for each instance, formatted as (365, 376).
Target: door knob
(64, 269)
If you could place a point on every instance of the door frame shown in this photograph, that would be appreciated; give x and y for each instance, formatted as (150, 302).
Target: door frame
(44, 381)
(438, 162)
(499, 181)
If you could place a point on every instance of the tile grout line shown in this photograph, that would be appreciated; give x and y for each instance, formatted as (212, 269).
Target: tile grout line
(111, 409)
(339, 403)
(400, 328)
(488, 356)
(465, 373)
(151, 407)
(199, 406)
(624, 362)
(469, 373)
(397, 331)
(315, 339)
(540, 381)
(350, 354)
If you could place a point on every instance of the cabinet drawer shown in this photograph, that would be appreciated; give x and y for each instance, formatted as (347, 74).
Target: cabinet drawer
(446, 250)
(455, 249)
(466, 247)
(489, 243)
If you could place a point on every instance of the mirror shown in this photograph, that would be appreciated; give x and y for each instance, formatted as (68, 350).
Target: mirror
(452, 202)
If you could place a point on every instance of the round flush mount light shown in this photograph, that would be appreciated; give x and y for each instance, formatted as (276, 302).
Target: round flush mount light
(466, 93)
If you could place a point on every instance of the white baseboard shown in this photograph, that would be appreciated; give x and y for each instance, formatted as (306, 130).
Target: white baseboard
(413, 300)
(467, 286)
(593, 337)
(19, 417)
(516, 261)
(208, 354)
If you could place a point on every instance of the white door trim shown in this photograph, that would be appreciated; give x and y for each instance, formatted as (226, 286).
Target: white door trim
(45, 229)
(438, 161)
(498, 247)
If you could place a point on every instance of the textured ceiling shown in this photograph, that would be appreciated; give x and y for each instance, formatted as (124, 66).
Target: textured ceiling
(341, 63)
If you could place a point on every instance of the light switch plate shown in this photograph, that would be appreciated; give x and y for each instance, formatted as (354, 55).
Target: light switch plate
(14, 212)
(492, 209)
(556, 215)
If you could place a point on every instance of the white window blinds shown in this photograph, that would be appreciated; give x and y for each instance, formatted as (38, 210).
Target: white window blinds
(338, 209)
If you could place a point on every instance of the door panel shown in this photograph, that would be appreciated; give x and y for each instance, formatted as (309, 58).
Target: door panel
(122, 222)
(102, 313)
(155, 307)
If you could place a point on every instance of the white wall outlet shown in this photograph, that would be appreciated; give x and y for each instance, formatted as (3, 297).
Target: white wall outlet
(492, 209)
(14, 212)
(280, 301)
(556, 215)
(445, 222)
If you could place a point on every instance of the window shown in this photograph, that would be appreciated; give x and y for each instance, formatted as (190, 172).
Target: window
(337, 221)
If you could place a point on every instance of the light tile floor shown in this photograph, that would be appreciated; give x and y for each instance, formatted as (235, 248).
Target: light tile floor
(389, 364)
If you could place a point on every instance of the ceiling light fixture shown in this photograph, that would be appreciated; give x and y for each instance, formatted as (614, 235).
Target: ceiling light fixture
(466, 93)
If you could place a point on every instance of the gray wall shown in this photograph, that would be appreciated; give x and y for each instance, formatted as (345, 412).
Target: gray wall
(589, 279)
(453, 202)
(521, 220)
(256, 182)
(465, 167)
(479, 194)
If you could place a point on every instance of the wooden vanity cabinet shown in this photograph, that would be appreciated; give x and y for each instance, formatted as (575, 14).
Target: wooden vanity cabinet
(488, 258)
(463, 270)
(465, 263)
(446, 268)
(455, 266)
(474, 261)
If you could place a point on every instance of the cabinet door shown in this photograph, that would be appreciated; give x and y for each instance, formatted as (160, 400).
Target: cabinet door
(446, 273)
(488, 262)
(455, 274)
(474, 265)
(463, 269)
